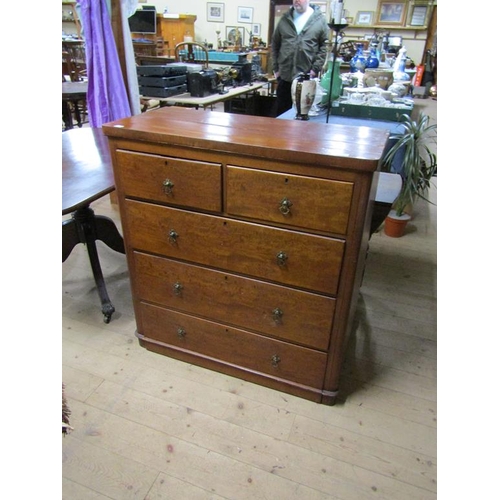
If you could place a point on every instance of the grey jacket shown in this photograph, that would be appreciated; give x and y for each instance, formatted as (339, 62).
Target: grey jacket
(293, 53)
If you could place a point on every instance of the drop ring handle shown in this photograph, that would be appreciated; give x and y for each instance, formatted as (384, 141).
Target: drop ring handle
(281, 258)
(168, 186)
(285, 206)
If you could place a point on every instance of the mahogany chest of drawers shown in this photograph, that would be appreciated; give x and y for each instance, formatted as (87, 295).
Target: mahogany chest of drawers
(246, 239)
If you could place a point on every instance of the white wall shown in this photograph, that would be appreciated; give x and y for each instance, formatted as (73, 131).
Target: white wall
(414, 41)
(205, 30)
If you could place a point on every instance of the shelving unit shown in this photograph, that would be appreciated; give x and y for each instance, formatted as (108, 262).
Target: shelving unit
(407, 32)
(386, 28)
(70, 21)
(411, 34)
(414, 27)
(171, 30)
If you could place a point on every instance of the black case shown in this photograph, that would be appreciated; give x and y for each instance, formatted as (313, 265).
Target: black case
(162, 92)
(202, 83)
(162, 70)
(162, 81)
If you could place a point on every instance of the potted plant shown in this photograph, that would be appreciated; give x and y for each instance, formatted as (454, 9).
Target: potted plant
(418, 164)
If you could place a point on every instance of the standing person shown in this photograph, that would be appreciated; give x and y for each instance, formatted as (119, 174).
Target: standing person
(299, 45)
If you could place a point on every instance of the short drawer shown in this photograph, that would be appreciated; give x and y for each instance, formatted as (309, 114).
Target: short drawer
(299, 259)
(305, 202)
(163, 179)
(234, 346)
(285, 313)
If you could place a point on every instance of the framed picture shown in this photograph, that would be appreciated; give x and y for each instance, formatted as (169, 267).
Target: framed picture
(235, 35)
(418, 15)
(364, 17)
(215, 12)
(255, 29)
(245, 15)
(321, 5)
(391, 12)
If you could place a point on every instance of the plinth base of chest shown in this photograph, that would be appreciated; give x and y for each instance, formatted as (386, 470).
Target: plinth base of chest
(309, 393)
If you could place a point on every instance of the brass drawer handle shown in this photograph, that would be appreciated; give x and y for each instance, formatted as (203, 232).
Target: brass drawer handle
(181, 333)
(285, 206)
(281, 258)
(277, 315)
(275, 360)
(177, 288)
(168, 186)
(172, 236)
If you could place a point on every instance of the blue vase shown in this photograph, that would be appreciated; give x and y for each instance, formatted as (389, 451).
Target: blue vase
(326, 81)
(358, 62)
(372, 61)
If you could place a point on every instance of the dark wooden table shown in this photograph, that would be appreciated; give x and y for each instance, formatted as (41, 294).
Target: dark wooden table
(72, 94)
(87, 175)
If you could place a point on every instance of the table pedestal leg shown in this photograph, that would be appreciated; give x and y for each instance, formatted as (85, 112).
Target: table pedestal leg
(77, 114)
(67, 115)
(85, 227)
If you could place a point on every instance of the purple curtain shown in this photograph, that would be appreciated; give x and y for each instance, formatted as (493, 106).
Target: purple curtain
(107, 98)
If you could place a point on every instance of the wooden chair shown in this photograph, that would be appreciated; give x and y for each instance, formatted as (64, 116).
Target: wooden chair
(160, 45)
(74, 67)
(191, 52)
(74, 61)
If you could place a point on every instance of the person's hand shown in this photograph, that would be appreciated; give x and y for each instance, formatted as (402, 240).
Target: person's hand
(276, 74)
(313, 74)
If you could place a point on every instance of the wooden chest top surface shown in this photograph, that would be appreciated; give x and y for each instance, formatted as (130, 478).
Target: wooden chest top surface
(344, 146)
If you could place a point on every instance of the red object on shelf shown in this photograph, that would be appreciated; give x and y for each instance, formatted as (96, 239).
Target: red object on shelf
(418, 75)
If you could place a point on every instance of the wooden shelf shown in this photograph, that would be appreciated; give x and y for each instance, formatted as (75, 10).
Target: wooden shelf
(70, 17)
(380, 27)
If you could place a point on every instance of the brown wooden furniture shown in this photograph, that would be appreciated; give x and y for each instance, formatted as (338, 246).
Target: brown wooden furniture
(171, 30)
(71, 23)
(191, 52)
(87, 175)
(74, 102)
(145, 49)
(74, 64)
(246, 240)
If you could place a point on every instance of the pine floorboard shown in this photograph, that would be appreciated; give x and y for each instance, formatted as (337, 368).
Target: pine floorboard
(149, 427)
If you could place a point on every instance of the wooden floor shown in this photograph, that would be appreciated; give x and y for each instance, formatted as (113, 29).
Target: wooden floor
(150, 427)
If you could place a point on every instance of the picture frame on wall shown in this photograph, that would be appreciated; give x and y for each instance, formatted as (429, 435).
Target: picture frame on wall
(231, 34)
(364, 17)
(419, 15)
(215, 12)
(256, 29)
(391, 12)
(245, 15)
(321, 5)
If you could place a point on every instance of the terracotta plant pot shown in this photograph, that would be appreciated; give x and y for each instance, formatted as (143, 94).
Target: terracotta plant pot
(395, 225)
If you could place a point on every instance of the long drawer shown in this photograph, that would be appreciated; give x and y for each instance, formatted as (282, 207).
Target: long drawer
(234, 346)
(186, 183)
(290, 257)
(282, 312)
(301, 201)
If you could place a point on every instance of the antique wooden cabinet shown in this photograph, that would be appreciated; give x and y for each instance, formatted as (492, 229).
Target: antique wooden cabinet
(169, 32)
(246, 240)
